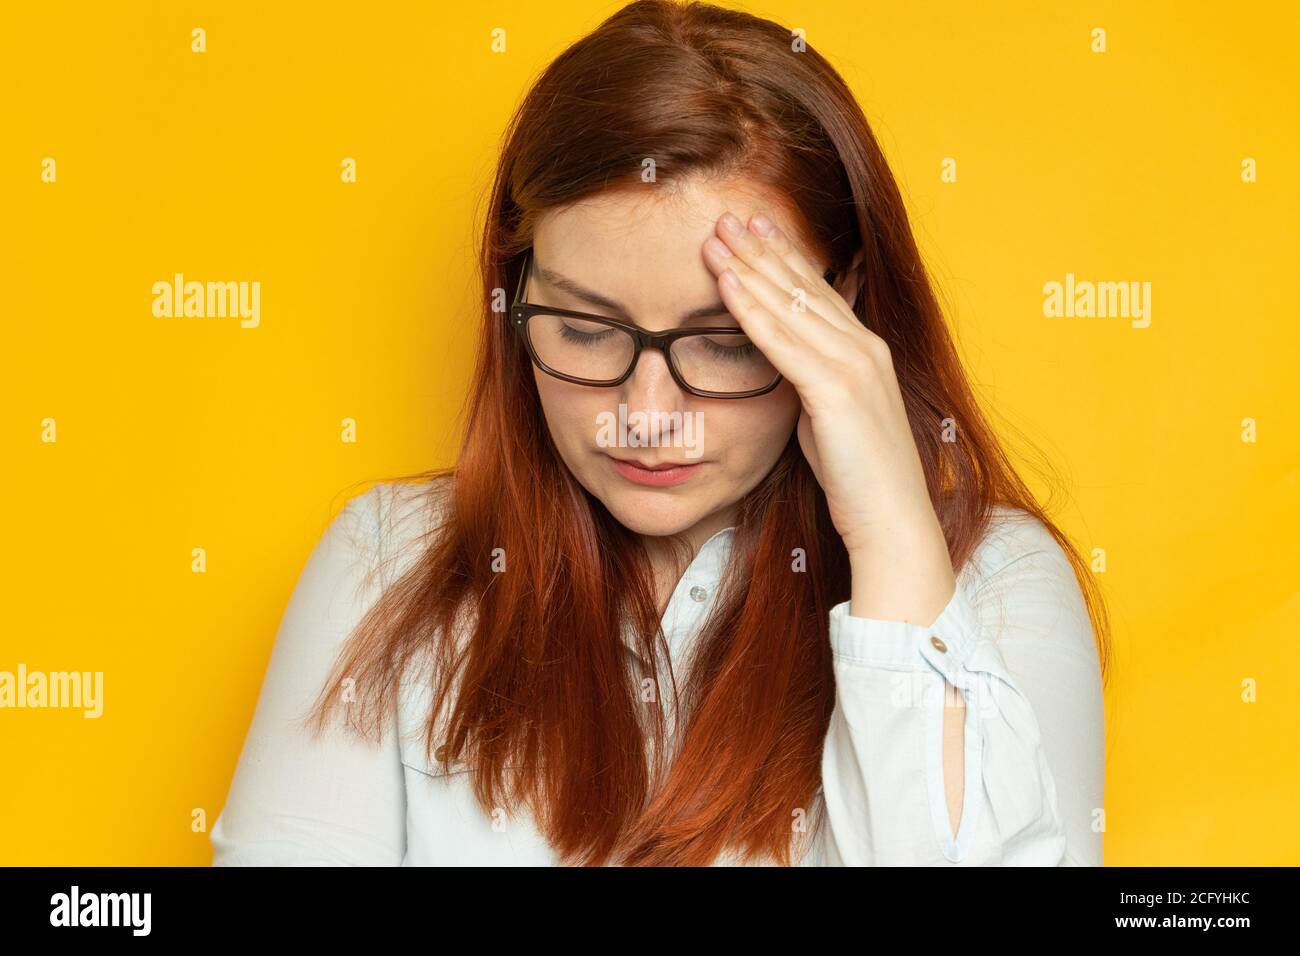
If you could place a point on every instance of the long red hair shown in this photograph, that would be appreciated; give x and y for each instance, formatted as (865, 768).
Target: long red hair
(532, 689)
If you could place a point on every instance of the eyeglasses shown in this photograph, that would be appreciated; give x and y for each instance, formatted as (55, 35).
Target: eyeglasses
(595, 350)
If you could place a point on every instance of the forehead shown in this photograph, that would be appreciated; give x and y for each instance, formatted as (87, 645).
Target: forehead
(643, 247)
(660, 223)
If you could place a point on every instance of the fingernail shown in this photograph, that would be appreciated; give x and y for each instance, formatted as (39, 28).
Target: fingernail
(762, 225)
(732, 224)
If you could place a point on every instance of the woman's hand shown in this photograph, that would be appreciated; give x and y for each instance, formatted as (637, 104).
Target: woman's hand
(853, 429)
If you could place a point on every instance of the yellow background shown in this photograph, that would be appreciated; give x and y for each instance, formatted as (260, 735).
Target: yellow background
(175, 434)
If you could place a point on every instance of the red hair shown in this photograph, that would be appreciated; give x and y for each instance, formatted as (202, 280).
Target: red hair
(540, 701)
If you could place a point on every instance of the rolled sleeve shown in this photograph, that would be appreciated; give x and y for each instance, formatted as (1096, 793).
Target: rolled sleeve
(1019, 635)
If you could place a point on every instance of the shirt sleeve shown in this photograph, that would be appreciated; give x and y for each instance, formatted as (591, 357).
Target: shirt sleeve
(300, 801)
(1018, 645)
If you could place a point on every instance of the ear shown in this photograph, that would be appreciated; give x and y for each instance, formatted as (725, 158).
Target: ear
(851, 283)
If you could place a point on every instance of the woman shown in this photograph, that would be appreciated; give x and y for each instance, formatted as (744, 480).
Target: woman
(802, 612)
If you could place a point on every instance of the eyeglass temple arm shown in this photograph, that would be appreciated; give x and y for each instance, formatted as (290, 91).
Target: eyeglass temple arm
(523, 276)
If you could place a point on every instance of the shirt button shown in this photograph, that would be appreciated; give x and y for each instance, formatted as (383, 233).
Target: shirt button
(939, 645)
(441, 754)
(698, 594)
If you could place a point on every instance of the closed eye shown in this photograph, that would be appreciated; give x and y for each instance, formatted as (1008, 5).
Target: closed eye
(580, 337)
(737, 350)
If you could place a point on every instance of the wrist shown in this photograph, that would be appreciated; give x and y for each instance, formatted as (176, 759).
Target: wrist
(899, 540)
(908, 579)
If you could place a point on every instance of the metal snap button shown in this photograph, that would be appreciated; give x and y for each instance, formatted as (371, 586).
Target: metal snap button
(698, 594)
(938, 645)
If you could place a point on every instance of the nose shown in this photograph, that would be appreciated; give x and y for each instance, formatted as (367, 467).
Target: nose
(651, 387)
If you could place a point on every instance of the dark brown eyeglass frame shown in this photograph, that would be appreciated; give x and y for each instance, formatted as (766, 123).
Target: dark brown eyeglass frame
(521, 312)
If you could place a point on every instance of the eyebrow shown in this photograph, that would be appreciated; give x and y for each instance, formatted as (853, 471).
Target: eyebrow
(565, 284)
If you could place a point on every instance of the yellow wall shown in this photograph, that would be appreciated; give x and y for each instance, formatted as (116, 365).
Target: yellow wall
(225, 165)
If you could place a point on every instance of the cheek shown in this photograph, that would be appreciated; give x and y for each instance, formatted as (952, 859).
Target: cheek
(570, 411)
(758, 430)
(775, 416)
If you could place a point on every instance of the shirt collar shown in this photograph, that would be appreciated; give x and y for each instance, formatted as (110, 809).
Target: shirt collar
(704, 571)
(712, 556)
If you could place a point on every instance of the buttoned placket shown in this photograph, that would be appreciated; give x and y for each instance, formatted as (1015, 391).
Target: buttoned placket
(684, 617)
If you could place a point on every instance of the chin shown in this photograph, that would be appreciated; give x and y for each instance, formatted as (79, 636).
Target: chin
(653, 512)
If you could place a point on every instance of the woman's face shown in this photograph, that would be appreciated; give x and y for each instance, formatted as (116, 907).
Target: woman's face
(639, 258)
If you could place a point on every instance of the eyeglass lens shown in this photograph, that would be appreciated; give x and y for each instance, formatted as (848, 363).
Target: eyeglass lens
(594, 352)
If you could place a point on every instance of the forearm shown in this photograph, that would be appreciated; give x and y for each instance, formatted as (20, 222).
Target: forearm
(913, 581)
(910, 778)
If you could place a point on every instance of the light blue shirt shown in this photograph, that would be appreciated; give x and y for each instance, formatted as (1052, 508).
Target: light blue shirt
(1015, 638)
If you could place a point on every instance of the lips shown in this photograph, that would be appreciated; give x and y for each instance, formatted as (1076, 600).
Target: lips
(662, 466)
(655, 474)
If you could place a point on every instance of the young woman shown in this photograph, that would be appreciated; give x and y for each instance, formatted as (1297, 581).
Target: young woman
(812, 618)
